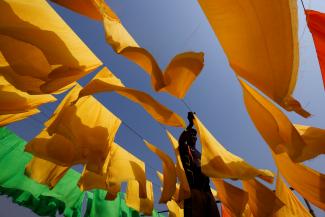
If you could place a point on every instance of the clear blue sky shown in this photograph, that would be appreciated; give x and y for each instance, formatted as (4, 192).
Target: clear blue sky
(167, 28)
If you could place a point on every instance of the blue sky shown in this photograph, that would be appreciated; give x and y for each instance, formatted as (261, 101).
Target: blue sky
(167, 28)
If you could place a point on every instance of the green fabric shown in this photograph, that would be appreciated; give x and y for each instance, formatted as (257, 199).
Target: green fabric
(64, 198)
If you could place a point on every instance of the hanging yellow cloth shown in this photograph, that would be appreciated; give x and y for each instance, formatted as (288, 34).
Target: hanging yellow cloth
(120, 166)
(10, 118)
(45, 172)
(292, 207)
(307, 182)
(174, 209)
(178, 75)
(218, 162)
(106, 81)
(278, 131)
(55, 55)
(184, 189)
(169, 171)
(262, 201)
(261, 43)
(234, 198)
(134, 200)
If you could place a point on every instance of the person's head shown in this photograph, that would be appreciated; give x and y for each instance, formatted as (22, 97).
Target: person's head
(192, 137)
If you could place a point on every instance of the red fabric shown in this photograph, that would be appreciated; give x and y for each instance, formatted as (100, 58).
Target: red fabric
(316, 24)
(225, 211)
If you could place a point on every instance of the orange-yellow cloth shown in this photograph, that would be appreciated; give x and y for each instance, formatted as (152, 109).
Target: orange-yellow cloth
(52, 53)
(178, 75)
(261, 42)
(316, 21)
(292, 207)
(234, 198)
(174, 209)
(218, 162)
(225, 212)
(45, 172)
(184, 189)
(307, 182)
(120, 166)
(134, 200)
(278, 131)
(261, 200)
(10, 118)
(14, 101)
(169, 171)
(106, 81)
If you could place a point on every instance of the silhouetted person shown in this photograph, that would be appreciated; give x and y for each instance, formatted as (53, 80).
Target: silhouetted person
(202, 202)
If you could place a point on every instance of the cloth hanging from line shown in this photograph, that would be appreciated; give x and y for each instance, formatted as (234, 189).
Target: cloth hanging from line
(316, 21)
(277, 130)
(292, 207)
(106, 81)
(218, 162)
(261, 200)
(178, 76)
(10, 118)
(53, 54)
(261, 43)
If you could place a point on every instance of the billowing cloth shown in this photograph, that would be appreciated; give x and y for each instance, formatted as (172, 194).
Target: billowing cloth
(184, 188)
(292, 207)
(132, 169)
(134, 200)
(218, 162)
(86, 128)
(278, 131)
(178, 75)
(174, 209)
(225, 212)
(261, 43)
(39, 51)
(316, 21)
(65, 197)
(169, 171)
(10, 118)
(45, 172)
(105, 81)
(232, 197)
(261, 200)
(307, 182)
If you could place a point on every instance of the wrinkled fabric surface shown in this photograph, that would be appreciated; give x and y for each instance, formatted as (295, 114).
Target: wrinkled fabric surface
(261, 42)
(218, 162)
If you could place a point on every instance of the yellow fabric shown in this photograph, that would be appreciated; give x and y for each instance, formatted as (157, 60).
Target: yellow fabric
(53, 54)
(134, 200)
(105, 80)
(10, 118)
(261, 42)
(184, 189)
(278, 131)
(218, 162)
(14, 101)
(174, 209)
(45, 172)
(234, 198)
(292, 207)
(262, 201)
(120, 166)
(169, 171)
(307, 182)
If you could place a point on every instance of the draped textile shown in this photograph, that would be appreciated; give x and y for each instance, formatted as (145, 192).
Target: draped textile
(133, 199)
(307, 182)
(232, 197)
(106, 81)
(45, 172)
(169, 173)
(218, 162)
(292, 207)
(174, 209)
(184, 188)
(316, 21)
(178, 76)
(261, 200)
(39, 51)
(65, 197)
(277, 130)
(10, 118)
(77, 133)
(261, 42)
